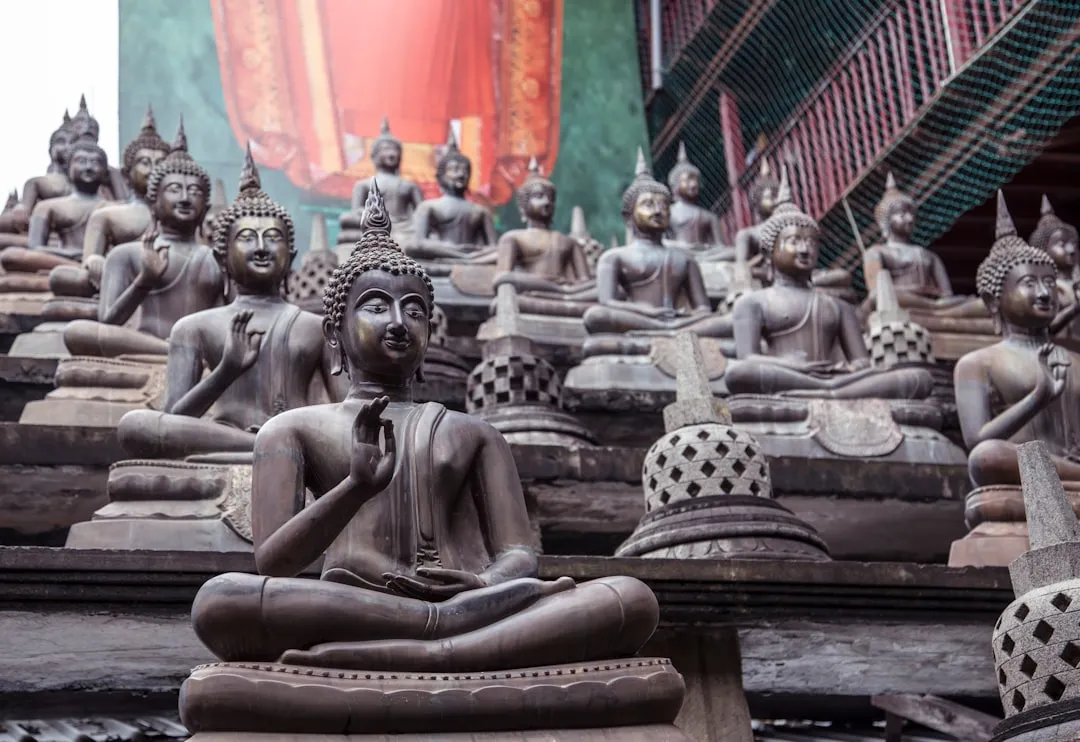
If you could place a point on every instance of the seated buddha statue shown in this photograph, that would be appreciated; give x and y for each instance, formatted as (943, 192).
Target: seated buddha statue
(85, 125)
(15, 222)
(1058, 239)
(815, 344)
(663, 288)
(919, 277)
(115, 224)
(65, 216)
(165, 275)
(451, 228)
(547, 268)
(424, 538)
(402, 196)
(692, 227)
(261, 351)
(1024, 387)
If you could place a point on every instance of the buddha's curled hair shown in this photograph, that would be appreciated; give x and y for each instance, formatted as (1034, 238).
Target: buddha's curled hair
(1008, 252)
(785, 214)
(643, 182)
(376, 251)
(251, 200)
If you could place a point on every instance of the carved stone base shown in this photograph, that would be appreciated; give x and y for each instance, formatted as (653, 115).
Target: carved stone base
(1057, 723)
(647, 368)
(24, 302)
(990, 545)
(541, 329)
(99, 391)
(171, 506)
(893, 430)
(44, 341)
(633, 700)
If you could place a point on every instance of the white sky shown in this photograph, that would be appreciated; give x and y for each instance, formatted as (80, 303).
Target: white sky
(49, 63)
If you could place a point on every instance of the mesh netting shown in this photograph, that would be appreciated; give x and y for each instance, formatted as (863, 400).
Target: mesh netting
(953, 96)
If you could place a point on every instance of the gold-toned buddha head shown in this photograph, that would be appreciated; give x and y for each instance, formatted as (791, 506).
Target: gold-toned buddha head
(255, 237)
(684, 180)
(1017, 282)
(142, 154)
(378, 305)
(895, 212)
(646, 203)
(789, 236)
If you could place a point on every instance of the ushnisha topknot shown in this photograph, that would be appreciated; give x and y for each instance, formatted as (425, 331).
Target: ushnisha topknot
(376, 251)
(534, 181)
(83, 118)
(251, 200)
(1008, 252)
(892, 199)
(643, 182)
(147, 138)
(451, 154)
(785, 214)
(682, 165)
(178, 161)
(385, 139)
(88, 143)
(1049, 223)
(64, 130)
(765, 181)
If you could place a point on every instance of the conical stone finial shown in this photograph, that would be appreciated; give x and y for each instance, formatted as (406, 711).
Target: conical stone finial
(250, 180)
(641, 169)
(180, 141)
(765, 171)
(890, 182)
(1005, 226)
(149, 124)
(376, 218)
(577, 223)
(695, 403)
(319, 241)
(534, 167)
(1053, 532)
(887, 303)
(783, 195)
(218, 199)
(614, 241)
(1046, 209)
(682, 157)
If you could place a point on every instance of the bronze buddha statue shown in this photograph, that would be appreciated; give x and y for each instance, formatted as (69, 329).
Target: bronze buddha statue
(164, 276)
(538, 259)
(115, 224)
(815, 344)
(1059, 239)
(15, 222)
(693, 227)
(919, 277)
(663, 286)
(65, 216)
(262, 352)
(450, 228)
(402, 196)
(1023, 388)
(426, 563)
(748, 249)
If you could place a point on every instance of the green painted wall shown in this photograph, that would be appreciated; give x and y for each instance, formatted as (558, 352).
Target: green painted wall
(168, 59)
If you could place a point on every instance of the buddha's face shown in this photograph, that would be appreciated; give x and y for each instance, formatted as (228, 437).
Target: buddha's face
(455, 177)
(689, 186)
(60, 147)
(385, 328)
(767, 202)
(901, 221)
(181, 201)
(1029, 296)
(652, 212)
(795, 252)
(143, 165)
(1062, 248)
(258, 257)
(87, 168)
(387, 157)
(540, 204)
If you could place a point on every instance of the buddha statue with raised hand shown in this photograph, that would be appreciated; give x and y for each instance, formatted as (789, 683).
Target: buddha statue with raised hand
(115, 224)
(450, 227)
(402, 196)
(538, 258)
(693, 227)
(1025, 387)
(663, 286)
(262, 352)
(815, 345)
(164, 276)
(919, 277)
(427, 565)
